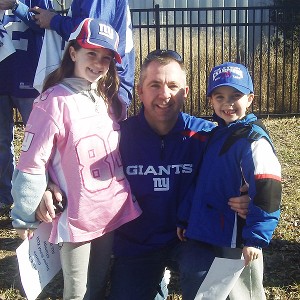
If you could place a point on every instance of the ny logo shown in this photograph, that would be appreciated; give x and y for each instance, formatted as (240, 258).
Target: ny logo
(161, 184)
(106, 31)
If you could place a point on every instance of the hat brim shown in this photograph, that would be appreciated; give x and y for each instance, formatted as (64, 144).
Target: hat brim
(96, 44)
(240, 88)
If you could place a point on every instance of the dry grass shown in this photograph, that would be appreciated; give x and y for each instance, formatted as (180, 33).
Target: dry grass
(282, 258)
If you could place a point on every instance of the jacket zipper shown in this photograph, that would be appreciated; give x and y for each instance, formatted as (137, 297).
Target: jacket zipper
(162, 148)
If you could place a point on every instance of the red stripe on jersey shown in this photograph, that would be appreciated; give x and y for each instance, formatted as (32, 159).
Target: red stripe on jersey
(195, 134)
(267, 176)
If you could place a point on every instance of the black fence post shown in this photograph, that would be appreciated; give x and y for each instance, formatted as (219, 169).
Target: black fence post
(157, 26)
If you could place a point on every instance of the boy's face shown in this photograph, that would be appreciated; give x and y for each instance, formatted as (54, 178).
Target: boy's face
(229, 103)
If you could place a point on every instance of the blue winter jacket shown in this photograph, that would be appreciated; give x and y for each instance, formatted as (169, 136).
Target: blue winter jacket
(117, 14)
(236, 154)
(160, 170)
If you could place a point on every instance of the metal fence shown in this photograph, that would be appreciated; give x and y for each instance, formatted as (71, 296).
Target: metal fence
(265, 39)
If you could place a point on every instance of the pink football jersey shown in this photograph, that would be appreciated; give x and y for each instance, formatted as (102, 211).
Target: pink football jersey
(76, 141)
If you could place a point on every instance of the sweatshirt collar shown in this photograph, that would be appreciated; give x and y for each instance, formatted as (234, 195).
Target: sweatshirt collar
(80, 85)
(179, 125)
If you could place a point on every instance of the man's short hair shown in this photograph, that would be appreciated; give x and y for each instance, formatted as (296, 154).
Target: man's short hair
(163, 57)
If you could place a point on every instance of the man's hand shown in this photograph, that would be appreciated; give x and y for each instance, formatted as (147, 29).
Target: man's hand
(43, 17)
(45, 211)
(180, 234)
(6, 4)
(240, 204)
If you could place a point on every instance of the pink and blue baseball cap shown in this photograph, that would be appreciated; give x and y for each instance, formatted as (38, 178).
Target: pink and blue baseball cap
(95, 33)
(230, 74)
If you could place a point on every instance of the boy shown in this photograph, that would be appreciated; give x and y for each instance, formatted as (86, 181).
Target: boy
(239, 151)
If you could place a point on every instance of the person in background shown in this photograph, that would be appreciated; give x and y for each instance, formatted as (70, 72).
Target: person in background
(117, 14)
(73, 134)
(16, 81)
(238, 151)
(157, 147)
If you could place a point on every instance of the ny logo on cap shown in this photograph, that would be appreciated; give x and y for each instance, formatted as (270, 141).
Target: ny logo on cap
(106, 31)
(226, 72)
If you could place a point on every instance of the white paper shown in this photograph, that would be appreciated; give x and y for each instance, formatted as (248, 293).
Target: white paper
(220, 279)
(6, 45)
(39, 261)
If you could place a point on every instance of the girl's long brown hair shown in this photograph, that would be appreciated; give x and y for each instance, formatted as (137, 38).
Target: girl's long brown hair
(108, 86)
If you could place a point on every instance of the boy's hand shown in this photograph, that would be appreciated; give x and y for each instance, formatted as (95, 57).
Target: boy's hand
(250, 254)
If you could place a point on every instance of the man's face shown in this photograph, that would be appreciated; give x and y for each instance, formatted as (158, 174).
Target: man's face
(163, 92)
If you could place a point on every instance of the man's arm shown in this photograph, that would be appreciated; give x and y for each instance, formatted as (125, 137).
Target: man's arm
(50, 19)
(45, 211)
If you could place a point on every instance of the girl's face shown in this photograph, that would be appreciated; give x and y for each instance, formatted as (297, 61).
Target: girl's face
(230, 104)
(91, 64)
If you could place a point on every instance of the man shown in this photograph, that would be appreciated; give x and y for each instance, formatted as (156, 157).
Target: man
(117, 14)
(16, 81)
(161, 150)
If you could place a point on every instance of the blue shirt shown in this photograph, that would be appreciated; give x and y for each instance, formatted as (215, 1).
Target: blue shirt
(159, 170)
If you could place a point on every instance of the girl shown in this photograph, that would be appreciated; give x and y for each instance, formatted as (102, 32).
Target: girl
(73, 134)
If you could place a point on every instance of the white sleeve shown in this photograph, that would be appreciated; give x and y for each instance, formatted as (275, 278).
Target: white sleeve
(27, 192)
